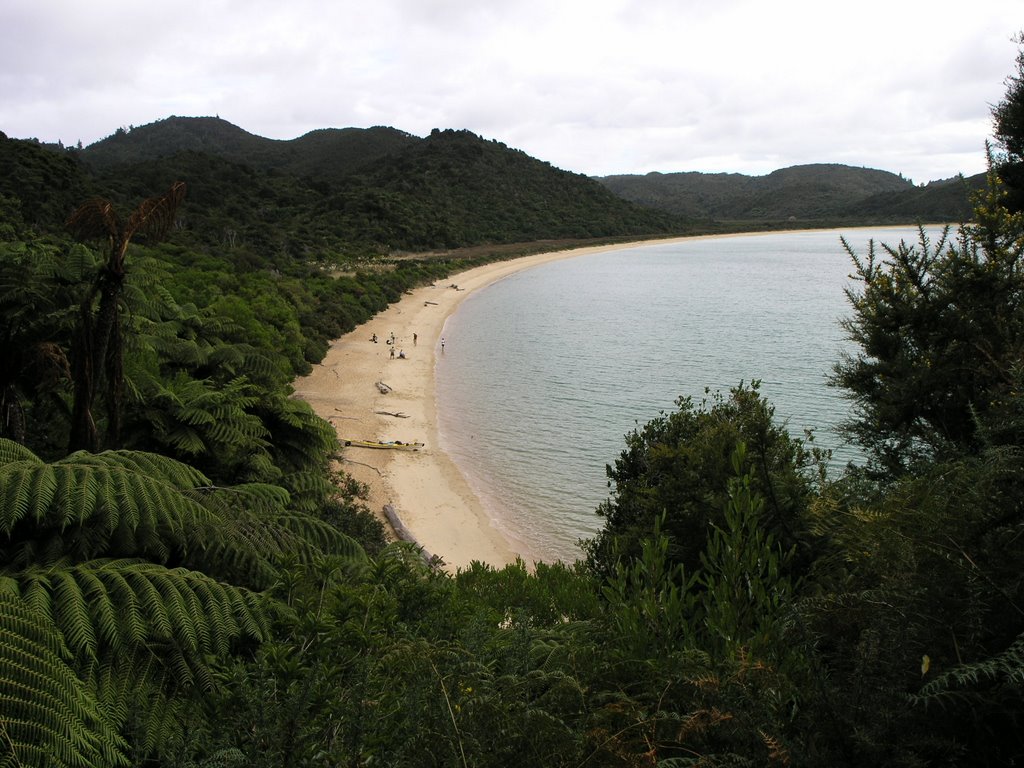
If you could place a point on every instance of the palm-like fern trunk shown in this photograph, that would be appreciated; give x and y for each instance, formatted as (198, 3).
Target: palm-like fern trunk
(98, 361)
(99, 353)
(84, 434)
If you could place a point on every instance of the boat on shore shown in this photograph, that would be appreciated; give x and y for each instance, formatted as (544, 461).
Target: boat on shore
(397, 445)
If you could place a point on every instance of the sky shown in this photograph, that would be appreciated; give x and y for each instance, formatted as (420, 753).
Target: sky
(597, 87)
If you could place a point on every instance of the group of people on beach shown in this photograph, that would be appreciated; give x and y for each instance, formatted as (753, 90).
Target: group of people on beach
(390, 341)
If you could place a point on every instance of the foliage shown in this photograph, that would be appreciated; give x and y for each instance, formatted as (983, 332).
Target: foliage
(1008, 127)
(360, 191)
(701, 662)
(745, 590)
(940, 331)
(40, 187)
(97, 355)
(198, 600)
(678, 465)
(89, 547)
(916, 617)
(651, 601)
(36, 292)
(334, 153)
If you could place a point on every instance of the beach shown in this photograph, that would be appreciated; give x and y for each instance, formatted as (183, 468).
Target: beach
(424, 488)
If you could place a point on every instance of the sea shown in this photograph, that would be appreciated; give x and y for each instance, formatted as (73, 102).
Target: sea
(544, 372)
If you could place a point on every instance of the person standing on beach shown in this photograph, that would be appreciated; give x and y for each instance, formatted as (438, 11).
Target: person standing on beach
(414, 339)
(392, 352)
(442, 344)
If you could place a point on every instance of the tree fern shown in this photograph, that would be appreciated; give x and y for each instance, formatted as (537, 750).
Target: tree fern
(257, 527)
(128, 497)
(115, 603)
(130, 566)
(98, 351)
(48, 715)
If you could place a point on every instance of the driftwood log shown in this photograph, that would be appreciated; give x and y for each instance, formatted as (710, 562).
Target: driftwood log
(404, 534)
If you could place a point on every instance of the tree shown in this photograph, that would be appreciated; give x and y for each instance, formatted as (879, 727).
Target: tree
(916, 617)
(701, 658)
(678, 465)
(1008, 118)
(98, 345)
(940, 333)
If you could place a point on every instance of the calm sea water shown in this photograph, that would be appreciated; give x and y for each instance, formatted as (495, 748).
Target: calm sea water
(545, 371)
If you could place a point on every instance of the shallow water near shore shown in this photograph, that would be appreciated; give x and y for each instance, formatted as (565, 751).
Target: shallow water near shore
(544, 372)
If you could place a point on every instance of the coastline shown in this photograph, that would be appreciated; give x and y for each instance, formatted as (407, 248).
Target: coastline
(425, 489)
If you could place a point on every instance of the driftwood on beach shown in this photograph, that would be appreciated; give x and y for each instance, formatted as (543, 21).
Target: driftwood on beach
(404, 534)
(384, 388)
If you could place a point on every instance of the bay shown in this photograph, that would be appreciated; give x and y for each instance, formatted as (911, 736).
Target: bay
(544, 372)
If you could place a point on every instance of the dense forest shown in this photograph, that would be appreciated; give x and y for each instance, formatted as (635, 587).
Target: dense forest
(803, 195)
(355, 191)
(188, 580)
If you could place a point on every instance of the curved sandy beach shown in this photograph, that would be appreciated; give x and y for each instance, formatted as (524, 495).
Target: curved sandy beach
(425, 488)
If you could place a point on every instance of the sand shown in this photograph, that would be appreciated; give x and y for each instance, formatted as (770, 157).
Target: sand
(425, 489)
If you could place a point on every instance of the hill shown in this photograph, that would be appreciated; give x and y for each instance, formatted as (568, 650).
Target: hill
(799, 194)
(38, 186)
(331, 153)
(370, 189)
(352, 191)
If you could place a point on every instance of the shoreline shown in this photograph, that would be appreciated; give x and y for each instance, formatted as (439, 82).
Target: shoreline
(425, 490)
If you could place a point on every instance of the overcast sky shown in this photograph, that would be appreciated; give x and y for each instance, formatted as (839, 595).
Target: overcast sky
(592, 86)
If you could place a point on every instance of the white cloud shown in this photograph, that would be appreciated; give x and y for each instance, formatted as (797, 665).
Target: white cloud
(593, 86)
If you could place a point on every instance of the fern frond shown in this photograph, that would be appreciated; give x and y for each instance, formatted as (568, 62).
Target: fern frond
(309, 489)
(258, 516)
(154, 216)
(105, 607)
(185, 441)
(151, 604)
(72, 612)
(49, 717)
(135, 499)
(27, 488)
(94, 219)
(11, 452)
(133, 625)
(170, 472)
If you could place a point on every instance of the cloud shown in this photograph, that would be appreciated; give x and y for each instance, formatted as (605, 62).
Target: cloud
(598, 87)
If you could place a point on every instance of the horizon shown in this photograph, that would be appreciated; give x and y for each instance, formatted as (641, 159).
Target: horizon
(131, 128)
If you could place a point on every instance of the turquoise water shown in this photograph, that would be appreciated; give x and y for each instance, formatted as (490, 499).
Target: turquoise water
(544, 372)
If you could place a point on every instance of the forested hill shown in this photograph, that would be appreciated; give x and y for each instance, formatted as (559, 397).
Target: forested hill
(331, 153)
(819, 192)
(356, 191)
(363, 190)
